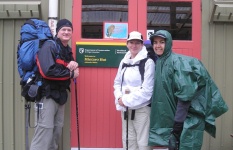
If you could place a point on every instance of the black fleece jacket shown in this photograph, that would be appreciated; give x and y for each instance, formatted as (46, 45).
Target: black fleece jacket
(52, 60)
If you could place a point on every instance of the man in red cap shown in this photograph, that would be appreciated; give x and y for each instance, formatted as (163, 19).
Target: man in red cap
(56, 66)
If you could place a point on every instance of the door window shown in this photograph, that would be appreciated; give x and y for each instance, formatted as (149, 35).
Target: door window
(95, 13)
(176, 17)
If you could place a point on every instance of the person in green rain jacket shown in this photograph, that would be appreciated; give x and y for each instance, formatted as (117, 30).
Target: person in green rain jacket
(185, 100)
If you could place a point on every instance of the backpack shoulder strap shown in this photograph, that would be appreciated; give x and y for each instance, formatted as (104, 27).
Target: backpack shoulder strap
(128, 65)
(123, 66)
(58, 48)
(142, 68)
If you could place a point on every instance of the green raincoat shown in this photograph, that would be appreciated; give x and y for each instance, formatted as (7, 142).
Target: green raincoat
(184, 78)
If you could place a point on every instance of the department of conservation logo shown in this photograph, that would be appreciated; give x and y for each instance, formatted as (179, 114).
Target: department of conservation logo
(81, 50)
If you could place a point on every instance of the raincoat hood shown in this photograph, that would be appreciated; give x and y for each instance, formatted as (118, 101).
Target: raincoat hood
(168, 41)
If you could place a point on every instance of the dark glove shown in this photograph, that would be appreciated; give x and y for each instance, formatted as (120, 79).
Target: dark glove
(173, 143)
(174, 139)
(177, 129)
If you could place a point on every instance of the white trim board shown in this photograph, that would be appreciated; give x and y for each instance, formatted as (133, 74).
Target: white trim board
(74, 148)
(97, 148)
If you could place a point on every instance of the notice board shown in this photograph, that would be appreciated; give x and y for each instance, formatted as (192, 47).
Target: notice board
(100, 54)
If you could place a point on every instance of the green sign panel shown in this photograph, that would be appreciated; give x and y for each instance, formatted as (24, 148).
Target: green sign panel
(100, 55)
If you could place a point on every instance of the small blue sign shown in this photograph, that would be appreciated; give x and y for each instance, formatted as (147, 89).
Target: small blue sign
(115, 30)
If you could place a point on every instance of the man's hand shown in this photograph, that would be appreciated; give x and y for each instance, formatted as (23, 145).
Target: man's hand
(76, 73)
(72, 65)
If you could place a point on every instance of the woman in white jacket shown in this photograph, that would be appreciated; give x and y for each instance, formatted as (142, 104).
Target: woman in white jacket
(133, 93)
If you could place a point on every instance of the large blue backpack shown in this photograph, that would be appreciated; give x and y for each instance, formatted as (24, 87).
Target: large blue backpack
(33, 34)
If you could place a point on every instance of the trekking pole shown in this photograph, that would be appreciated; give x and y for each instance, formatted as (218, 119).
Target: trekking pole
(127, 127)
(27, 107)
(76, 98)
(127, 91)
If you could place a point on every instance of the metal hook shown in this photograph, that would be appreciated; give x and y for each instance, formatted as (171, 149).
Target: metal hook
(31, 12)
(7, 12)
(229, 16)
(218, 15)
(19, 12)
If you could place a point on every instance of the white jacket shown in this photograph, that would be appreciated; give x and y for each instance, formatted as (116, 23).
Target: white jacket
(140, 93)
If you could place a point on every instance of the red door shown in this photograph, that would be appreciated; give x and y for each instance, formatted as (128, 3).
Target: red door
(99, 122)
(184, 19)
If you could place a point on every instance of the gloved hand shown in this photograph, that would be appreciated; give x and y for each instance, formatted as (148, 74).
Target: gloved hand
(177, 129)
(173, 143)
(174, 139)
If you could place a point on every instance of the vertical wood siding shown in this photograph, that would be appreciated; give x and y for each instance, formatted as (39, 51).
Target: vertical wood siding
(11, 107)
(217, 54)
(1, 86)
